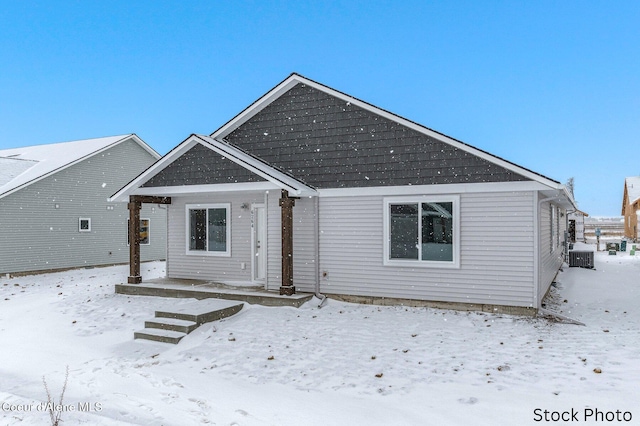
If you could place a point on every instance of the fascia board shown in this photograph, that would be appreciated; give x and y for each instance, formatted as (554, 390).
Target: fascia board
(173, 191)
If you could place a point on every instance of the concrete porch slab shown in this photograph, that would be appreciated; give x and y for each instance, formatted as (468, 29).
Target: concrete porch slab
(180, 288)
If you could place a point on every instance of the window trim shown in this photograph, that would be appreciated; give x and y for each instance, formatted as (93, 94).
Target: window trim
(418, 263)
(552, 222)
(80, 219)
(188, 208)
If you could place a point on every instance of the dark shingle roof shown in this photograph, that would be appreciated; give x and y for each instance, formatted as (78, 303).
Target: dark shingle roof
(329, 143)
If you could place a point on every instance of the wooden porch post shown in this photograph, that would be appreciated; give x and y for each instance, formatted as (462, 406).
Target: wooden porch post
(134, 240)
(286, 206)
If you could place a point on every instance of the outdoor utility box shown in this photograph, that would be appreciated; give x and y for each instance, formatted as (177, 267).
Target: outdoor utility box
(613, 246)
(582, 259)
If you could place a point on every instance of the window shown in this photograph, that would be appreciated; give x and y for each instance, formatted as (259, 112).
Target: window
(558, 215)
(422, 231)
(554, 228)
(84, 224)
(209, 229)
(551, 220)
(145, 231)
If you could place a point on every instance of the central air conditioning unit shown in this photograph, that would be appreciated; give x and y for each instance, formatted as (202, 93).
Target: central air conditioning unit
(582, 259)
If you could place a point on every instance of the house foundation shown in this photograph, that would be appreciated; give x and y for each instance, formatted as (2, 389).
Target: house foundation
(470, 307)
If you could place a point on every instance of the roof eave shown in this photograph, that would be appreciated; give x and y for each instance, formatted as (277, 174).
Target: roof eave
(263, 170)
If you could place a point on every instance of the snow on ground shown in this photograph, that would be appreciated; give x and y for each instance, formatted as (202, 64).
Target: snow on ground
(342, 364)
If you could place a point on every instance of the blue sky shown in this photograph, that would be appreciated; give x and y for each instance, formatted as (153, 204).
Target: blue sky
(553, 86)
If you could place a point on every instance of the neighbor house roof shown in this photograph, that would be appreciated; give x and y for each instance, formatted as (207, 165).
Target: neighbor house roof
(20, 167)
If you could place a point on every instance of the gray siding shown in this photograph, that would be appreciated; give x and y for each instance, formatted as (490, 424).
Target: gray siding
(496, 256)
(274, 241)
(305, 244)
(231, 270)
(551, 255)
(329, 143)
(36, 236)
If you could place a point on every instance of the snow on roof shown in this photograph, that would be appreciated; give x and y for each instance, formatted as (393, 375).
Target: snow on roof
(10, 168)
(633, 188)
(22, 166)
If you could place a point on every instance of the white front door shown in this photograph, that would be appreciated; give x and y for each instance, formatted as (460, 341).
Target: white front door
(259, 242)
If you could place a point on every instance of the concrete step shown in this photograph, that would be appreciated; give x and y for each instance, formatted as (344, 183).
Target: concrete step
(172, 324)
(157, 335)
(203, 311)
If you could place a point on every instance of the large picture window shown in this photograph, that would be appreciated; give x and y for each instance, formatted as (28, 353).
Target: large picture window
(209, 229)
(422, 231)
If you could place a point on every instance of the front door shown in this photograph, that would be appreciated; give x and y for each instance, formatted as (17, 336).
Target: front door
(259, 243)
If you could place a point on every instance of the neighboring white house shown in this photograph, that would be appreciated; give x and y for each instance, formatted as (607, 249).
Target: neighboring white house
(576, 226)
(54, 212)
(360, 203)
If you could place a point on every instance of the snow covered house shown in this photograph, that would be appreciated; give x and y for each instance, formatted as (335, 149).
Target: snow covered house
(54, 212)
(631, 208)
(312, 190)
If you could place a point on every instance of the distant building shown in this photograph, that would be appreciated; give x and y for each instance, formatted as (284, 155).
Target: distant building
(576, 226)
(631, 207)
(54, 212)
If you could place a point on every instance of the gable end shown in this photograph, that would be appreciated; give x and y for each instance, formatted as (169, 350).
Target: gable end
(201, 166)
(329, 143)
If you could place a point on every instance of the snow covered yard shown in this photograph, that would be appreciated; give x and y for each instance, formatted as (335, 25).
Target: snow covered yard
(342, 364)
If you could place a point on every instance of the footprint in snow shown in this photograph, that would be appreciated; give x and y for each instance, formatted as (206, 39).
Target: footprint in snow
(469, 401)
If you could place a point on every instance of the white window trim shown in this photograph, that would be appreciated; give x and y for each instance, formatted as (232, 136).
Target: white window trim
(80, 219)
(455, 264)
(148, 230)
(227, 207)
